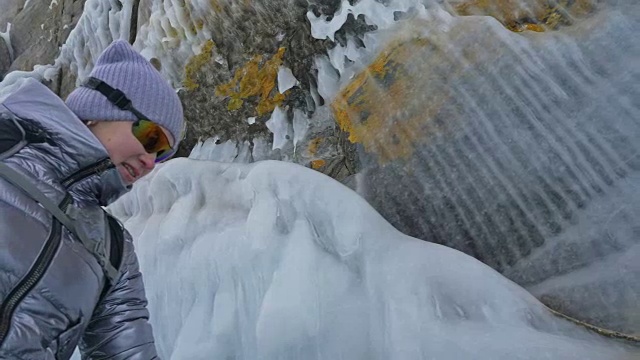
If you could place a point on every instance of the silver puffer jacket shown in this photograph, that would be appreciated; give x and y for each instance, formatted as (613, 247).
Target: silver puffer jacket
(63, 307)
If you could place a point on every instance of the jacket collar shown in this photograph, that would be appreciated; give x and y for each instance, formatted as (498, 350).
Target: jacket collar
(74, 154)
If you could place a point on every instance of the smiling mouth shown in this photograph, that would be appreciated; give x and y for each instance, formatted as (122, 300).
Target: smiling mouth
(130, 169)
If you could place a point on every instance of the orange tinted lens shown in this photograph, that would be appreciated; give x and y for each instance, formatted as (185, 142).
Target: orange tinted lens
(151, 137)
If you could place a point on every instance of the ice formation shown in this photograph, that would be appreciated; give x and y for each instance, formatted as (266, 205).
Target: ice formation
(375, 13)
(15, 79)
(286, 80)
(280, 127)
(300, 125)
(105, 21)
(6, 36)
(271, 260)
(101, 23)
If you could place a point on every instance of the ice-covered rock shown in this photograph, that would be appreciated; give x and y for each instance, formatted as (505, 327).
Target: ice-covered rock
(274, 261)
(279, 125)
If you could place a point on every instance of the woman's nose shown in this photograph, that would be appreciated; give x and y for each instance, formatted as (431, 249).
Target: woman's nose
(148, 161)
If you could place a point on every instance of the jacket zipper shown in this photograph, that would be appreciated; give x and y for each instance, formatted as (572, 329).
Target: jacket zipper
(48, 251)
(34, 275)
(82, 174)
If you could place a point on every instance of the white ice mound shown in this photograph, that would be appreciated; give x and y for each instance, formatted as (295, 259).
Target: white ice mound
(271, 260)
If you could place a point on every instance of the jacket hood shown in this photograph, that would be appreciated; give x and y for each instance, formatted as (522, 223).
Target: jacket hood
(75, 147)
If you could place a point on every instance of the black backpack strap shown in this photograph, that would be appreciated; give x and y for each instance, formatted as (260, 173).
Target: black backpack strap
(12, 138)
(117, 241)
(115, 252)
(16, 133)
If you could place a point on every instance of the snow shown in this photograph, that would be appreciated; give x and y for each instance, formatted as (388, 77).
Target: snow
(328, 78)
(101, 23)
(279, 126)
(300, 126)
(169, 35)
(375, 13)
(271, 260)
(286, 80)
(15, 79)
(228, 151)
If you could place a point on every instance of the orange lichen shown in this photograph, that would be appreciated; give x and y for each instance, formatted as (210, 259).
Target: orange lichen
(195, 64)
(505, 11)
(313, 146)
(252, 80)
(379, 107)
(317, 164)
(518, 16)
(534, 27)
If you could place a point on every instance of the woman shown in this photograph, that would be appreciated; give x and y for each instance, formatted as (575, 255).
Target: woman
(57, 287)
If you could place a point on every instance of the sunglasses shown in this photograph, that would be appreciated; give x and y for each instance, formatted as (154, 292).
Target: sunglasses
(151, 136)
(153, 139)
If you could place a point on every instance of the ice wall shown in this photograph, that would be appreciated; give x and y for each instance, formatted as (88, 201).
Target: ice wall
(274, 261)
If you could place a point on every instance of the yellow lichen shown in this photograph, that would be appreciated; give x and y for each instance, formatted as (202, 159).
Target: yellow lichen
(253, 80)
(517, 27)
(215, 4)
(313, 146)
(235, 104)
(196, 63)
(518, 16)
(553, 19)
(379, 107)
(317, 164)
(534, 27)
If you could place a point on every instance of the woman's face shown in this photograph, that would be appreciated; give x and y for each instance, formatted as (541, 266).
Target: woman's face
(125, 151)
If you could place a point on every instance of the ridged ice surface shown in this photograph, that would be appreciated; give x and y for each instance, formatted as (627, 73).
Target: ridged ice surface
(274, 261)
(521, 149)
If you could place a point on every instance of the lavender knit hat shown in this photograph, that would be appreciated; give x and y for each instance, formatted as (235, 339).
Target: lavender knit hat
(121, 67)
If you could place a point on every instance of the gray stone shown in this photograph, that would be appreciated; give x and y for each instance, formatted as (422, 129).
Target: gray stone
(5, 58)
(240, 35)
(40, 29)
(66, 82)
(10, 8)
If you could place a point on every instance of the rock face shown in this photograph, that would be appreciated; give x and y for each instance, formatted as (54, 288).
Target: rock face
(5, 57)
(234, 75)
(9, 10)
(40, 29)
(506, 129)
(489, 137)
(528, 166)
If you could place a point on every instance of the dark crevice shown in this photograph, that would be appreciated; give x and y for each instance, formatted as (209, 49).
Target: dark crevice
(133, 29)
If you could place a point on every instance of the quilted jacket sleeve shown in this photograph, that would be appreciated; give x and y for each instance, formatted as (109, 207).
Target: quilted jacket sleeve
(119, 327)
